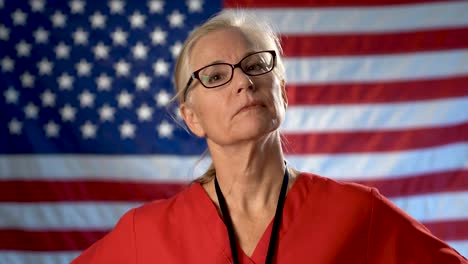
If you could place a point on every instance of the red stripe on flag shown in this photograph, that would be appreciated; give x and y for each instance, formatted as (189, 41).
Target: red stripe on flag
(48, 191)
(68, 240)
(449, 230)
(48, 240)
(375, 141)
(437, 182)
(383, 43)
(377, 92)
(75, 191)
(316, 3)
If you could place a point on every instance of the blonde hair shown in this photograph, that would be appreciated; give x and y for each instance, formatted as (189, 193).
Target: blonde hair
(255, 29)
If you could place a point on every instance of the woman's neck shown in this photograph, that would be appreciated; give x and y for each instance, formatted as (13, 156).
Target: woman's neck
(249, 175)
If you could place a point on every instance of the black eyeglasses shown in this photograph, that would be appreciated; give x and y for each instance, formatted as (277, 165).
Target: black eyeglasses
(218, 74)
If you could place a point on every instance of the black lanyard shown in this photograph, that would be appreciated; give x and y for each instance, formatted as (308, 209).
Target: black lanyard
(276, 221)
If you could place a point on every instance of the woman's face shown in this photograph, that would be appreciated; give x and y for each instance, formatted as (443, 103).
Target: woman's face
(246, 108)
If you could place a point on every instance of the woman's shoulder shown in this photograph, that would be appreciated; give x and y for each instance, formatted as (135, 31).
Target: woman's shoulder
(351, 194)
(162, 208)
(142, 229)
(333, 188)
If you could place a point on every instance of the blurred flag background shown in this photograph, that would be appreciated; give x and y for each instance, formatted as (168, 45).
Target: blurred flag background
(378, 94)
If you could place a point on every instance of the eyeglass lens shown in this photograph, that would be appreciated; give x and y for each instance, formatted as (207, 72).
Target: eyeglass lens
(219, 74)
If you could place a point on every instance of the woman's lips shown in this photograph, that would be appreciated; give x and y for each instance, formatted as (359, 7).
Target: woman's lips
(251, 106)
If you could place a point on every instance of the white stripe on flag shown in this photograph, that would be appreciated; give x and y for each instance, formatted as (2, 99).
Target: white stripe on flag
(147, 168)
(44, 257)
(435, 206)
(461, 246)
(62, 215)
(385, 116)
(366, 68)
(388, 165)
(366, 19)
(88, 167)
(104, 215)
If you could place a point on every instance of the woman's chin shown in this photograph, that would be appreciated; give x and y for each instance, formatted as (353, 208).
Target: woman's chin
(255, 130)
(247, 128)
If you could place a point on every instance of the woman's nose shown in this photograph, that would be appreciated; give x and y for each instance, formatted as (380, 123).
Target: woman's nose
(242, 81)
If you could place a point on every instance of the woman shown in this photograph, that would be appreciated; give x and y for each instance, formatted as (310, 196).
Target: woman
(250, 207)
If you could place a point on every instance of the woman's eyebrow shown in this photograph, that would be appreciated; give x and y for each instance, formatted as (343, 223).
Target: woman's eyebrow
(216, 61)
(221, 61)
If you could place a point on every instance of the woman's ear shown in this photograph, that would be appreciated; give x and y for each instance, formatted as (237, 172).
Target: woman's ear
(192, 121)
(284, 94)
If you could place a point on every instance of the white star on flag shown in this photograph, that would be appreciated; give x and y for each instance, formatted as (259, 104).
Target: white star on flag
(4, 33)
(116, 6)
(37, 5)
(145, 112)
(106, 113)
(162, 98)
(11, 95)
(41, 36)
(104, 82)
(161, 68)
(119, 37)
(101, 51)
(86, 99)
(62, 51)
(19, 18)
(122, 68)
(45, 66)
(15, 127)
(176, 19)
(142, 81)
(97, 20)
(58, 19)
(194, 5)
(88, 130)
(83, 68)
(80, 37)
(165, 129)
(77, 6)
(65, 81)
(140, 51)
(124, 99)
(23, 49)
(48, 98)
(127, 130)
(158, 36)
(137, 20)
(27, 80)
(175, 49)
(155, 6)
(7, 64)
(68, 113)
(52, 129)
(31, 111)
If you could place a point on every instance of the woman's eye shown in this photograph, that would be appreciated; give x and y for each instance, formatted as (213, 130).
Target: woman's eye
(256, 67)
(215, 77)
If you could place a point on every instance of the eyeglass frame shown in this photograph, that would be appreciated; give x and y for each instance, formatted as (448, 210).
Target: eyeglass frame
(195, 74)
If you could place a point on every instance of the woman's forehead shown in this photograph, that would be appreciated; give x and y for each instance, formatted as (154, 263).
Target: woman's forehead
(227, 45)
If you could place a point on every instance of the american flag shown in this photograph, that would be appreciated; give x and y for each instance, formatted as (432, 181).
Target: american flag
(378, 94)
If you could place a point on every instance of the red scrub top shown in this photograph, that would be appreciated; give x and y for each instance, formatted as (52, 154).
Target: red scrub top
(324, 221)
